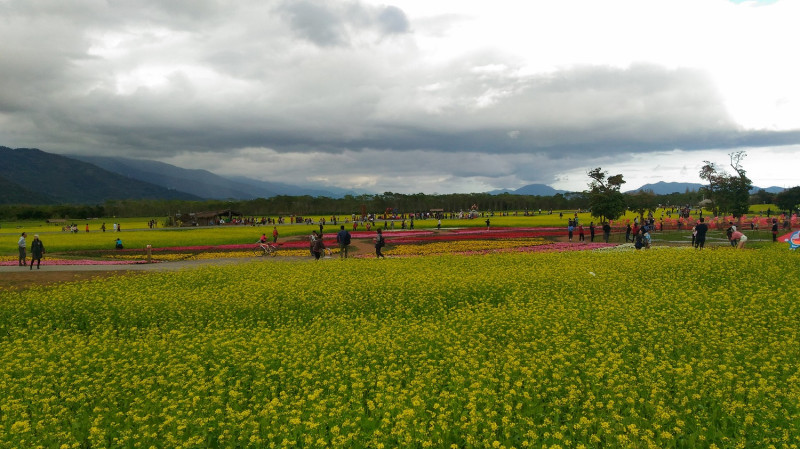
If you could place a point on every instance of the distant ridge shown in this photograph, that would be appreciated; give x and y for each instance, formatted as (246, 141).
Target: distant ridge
(530, 189)
(665, 188)
(60, 179)
(202, 183)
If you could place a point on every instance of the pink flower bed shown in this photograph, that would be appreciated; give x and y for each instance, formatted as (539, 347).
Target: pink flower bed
(80, 262)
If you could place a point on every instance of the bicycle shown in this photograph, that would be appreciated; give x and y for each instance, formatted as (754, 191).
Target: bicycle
(265, 249)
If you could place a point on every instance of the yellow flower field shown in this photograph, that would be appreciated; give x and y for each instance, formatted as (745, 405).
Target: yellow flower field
(667, 349)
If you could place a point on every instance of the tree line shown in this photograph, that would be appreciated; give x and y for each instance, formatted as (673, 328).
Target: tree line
(729, 195)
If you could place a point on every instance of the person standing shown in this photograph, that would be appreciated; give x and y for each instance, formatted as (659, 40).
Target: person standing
(37, 251)
(317, 247)
(774, 228)
(379, 243)
(591, 231)
(274, 234)
(606, 231)
(22, 256)
(343, 240)
(487, 224)
(570, 229)
(628, 233)
(702, 229)
(312, 239)
(581, 235)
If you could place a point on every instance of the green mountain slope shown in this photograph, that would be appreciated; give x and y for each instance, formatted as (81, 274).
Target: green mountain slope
(12, 193)
(67, 180)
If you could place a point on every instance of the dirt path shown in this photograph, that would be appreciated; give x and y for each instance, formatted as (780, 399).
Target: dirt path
(18, 278)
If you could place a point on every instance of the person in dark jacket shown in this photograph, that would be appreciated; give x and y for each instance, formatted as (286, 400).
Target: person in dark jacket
(317, 246)
(379, 243)
(343, 240)
(37, 251)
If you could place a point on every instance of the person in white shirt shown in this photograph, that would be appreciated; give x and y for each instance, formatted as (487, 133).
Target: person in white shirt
(22, 255)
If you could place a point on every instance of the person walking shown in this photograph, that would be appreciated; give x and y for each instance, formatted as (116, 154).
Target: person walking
(379, 243)
(37, 251)
(274, 234)
(343, 240)
(21, 244)
(702, 229)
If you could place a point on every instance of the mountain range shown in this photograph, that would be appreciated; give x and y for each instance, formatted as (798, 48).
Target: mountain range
(665, 188)
(44, 178)
(32, 176)
(202, 183)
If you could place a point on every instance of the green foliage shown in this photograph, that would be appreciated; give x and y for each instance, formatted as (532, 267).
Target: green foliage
(641, 202)
(789, 199)
(605, 199)
(730, 193)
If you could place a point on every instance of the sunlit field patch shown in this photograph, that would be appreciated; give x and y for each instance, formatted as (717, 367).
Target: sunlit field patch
(668, 348)
(461, 246)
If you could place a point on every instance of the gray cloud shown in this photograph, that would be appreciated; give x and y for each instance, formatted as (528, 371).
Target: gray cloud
(335, 79)
(336, 24)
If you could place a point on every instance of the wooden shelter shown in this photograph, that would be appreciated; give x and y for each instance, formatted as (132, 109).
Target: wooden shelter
(210, 218)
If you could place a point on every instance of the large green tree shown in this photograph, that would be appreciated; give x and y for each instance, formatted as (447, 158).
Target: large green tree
(641, 202)
(729, 193)
(605, 199)
(789, 199)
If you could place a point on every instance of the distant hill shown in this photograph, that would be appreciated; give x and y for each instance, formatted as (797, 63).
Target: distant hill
(202, 183)
(538, 189)
(67, 180)
(293, 190)
(665, 188)
(773, 189)
(530, 189)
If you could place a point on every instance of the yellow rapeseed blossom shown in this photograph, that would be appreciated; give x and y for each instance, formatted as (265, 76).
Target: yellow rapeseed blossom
(668, 348)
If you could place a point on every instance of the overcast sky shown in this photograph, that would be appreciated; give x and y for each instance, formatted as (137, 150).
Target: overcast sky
(433, 96)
